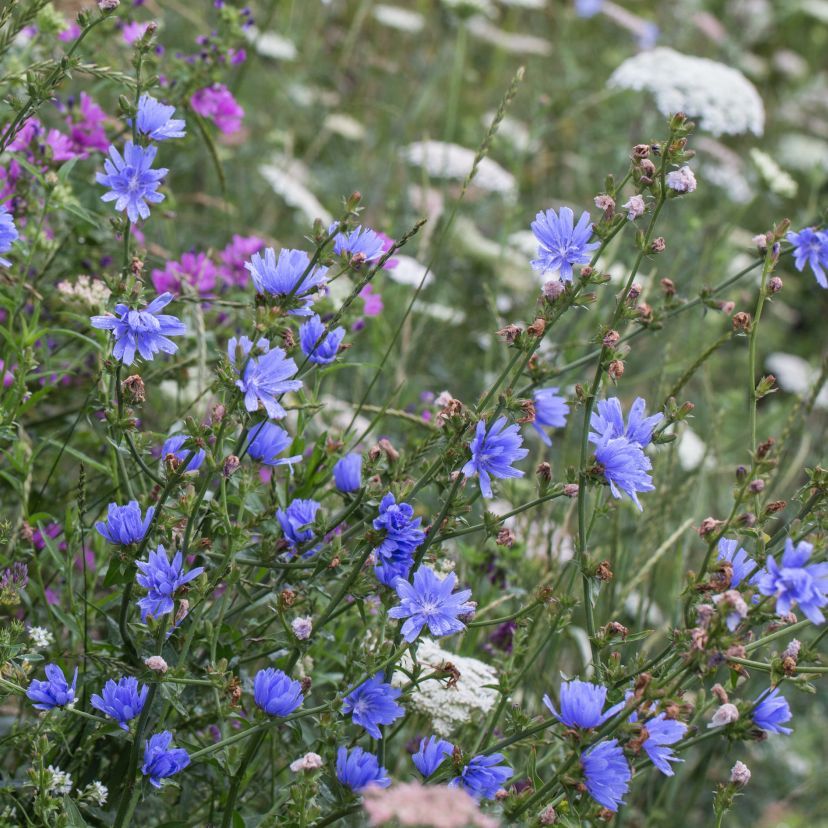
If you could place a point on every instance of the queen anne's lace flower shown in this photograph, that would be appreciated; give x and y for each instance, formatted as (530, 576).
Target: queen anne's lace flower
(723, 99)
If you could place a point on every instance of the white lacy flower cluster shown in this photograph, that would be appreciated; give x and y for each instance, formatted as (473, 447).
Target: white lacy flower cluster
(450, 704)
(722, 98)
(41, 637)
(92, 292)
(60, 782)
(443, 160)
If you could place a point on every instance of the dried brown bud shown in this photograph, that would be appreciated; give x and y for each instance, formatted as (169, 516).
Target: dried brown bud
(634, 292)
(537, 328)
(775, 284)
(775, 506)
(287, 597)
(505, 537)
(390, 452)
(747, 519)
(720, 693)
(133, 389)
(137, 267)
(510, 333)
(553, 289)
(231, 465)
(306, 682)
(658, 245)
(288, 338)
(610, 339)
(647, 168)
(548, 816)
(234, 690)
(708, 525)
(571, 489)
(182, 611)
(587, 271)
(544, 472)
(741, 321)
(603, 571)
(789, 666)
(668, 286)
(217, 413)
(528, 409)
(645, 311)
(640, 151)
(764, 448)
(615, 628)
(615, 370)
(606, 203)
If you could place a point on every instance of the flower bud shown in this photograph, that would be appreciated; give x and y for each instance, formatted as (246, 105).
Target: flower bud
(231, 465)
(553, 289)
(725, 715)
(156, 664)
(757, 485)
(610, 339)
(615, 370)
(505, 537)
(774, 284)
(740, 774)
(741, 321)
(133, 389)
(537, 328)
(571, 490)
(510, 333)
(658, 245)
(668, 286)
(544, 472)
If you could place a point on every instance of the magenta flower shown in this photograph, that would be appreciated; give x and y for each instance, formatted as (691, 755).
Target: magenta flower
(217, 104)
(134, 31)
(373, 301)
(232, 259)
(194, 269)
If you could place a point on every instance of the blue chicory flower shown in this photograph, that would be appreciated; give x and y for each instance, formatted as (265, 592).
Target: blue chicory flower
(483, 776)
(493, 451)
(173, 445)
(296, 521)
(348, 473)
(357, 769)
(432, 753)
(275, 692)
(771, 712)
(290, 278)
(318, 346)
(131, 180)
(124, 524)
(55, 691)
(551, 411)
(811, 248)
(662, 733)
(122, 700)
(608, 421)
(395, 554)
(625, 467)
(607, 773)
(582, 704)
(373, 704)
(8, 233)
(145, 331)
(162, 761)
(361, 243)
(560, 244)
(162, 578)
(267, 442)
(155, 120)
(741, 563)
(429, 601)
(795, 582)
(263, 378)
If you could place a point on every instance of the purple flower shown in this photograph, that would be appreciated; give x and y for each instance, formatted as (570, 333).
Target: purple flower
(276, 693)
(551, 411)
(145, 331)
(217, 103)
(373, 704)
(160, 760)
(483, 776)
(123, 701)
(288, 277)
(267, 442)
(771, 712)
(131, 180)
(55, 691)
(493, 451)
(263, 378)
(811, 248)
(155, 120)
(681, 180)
(608, 421)
(87, 133)
(357, 769)
(8, 233)
(297, 521)
(162, 578)
(582, 704)
(174, 445)
(195, 269)
(403, 535)
(560, 244)
(607, 773)
(232, 259)
(588, 8)
(625, 467)
(794, 581)
(348, 473)
(742, 564)
(318, 346)
(361, 243)
(429, 601)
(124, 524)
(431, 755)
(134, 31)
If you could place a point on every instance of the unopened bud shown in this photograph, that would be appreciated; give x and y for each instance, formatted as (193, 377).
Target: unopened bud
(615, 369)
(571, 489)
(505, 537)
(544, 472)
(156, 664)
(741, 321)
(757, 485)
(610, 339)
(553, 289)
(133, 389)
(740, 774)
(775, 284)
(231, 465)
(668, 286)
(658, 245)
(537, 328)
(510, 333)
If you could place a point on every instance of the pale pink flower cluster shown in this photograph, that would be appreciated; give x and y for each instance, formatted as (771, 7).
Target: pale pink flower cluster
(432, 806)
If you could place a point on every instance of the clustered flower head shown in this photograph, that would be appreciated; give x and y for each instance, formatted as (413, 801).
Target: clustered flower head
(276, 693)
(162, 578)
(493, 451)
(395, 553)
(124, 524)
(217, 104)
(561, 243)
(265, 378)
(429, 601)
(122, 700)
(372, 704)
(146, 331)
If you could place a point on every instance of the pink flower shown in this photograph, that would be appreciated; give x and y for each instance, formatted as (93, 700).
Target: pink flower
(87, 132)
(373, 301)
(71, 32)
(134, 31)
(217, 103)
(387, 244)
(194, 268)
(412, 803)
(233, 257)
(26, 134)
(60, 144)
